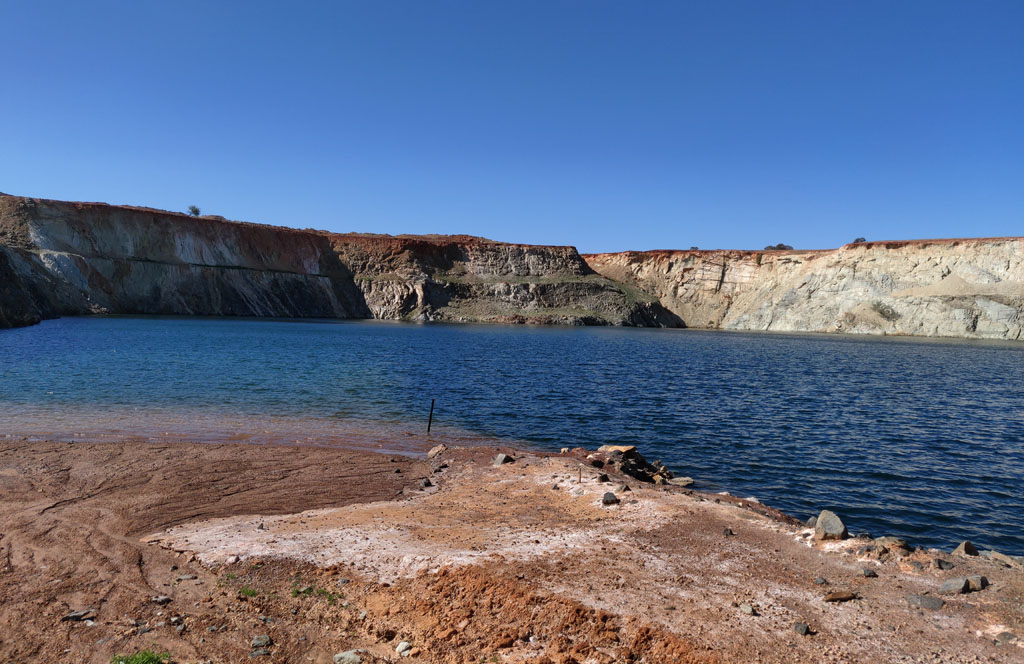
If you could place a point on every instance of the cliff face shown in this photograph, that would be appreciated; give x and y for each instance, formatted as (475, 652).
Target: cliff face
(77, 258)
(461, 278)
(60, 258)
(949, 288)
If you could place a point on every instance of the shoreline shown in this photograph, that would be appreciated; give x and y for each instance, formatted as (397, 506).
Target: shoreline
(657, 571)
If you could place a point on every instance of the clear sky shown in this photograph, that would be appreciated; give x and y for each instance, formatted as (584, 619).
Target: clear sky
(606, 125)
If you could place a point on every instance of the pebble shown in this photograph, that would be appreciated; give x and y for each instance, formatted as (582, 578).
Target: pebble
(186, 577)
(748, 609)
(161, 600)
(603, 478)
(425, 483)
(1005, 637)
(623, 488)
(869, 573)
(820, 581)
(801, 628)
(728, 532)
(348, 657)
(939, 563)
(609, 498)
(403, 648)
(840, 596)
(829, 526)
(925, 602)
(232, 560)
(343, 581)
(260, 641)
(259, 652)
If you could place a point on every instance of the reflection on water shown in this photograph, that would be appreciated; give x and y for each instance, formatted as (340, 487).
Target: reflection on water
(918, 438)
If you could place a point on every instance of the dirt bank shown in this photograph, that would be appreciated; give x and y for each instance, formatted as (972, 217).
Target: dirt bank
(327, 550)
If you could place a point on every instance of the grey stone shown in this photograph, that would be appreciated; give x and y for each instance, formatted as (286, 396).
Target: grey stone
(977, 582)
(924, 602)
(623, 488)
(261, 640)
(1009, 561)
(603, 477)
(434, 451)
(502, 459)
(939, 563)
(77, 616)
(681, 481)
(186, 577)
(869, 573)
(425, 483)
(1005, 637)
(403, 648)
(728, 532)
(259, 652)
(965, 549)
(211, 629)
(180, 628)
(954, 586)
(812, 521)
(748, 609)
(175, 620)
(609, 498)
(801, 628)
(348, 657)
(917, 565)
(829, 526)
(161, 600)
(891, 542)
(820, 581)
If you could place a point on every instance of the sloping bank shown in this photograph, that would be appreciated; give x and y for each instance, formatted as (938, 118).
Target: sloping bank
(60, 258)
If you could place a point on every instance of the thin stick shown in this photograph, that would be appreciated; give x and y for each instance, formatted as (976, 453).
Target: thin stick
(431, 420)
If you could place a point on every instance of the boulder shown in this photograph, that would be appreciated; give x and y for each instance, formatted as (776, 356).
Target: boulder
(828, 526)
(434, 451)
(965, 549)
(956, 586)
(502, 459)
(977, 582)
(924, 602)
(609, 498)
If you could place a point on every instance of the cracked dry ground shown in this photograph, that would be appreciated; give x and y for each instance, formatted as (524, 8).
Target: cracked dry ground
(327, 550)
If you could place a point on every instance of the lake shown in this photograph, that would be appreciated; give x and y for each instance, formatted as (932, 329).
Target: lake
(911, 437)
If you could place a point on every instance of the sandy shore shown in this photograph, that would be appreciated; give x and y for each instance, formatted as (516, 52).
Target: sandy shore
(329, 550)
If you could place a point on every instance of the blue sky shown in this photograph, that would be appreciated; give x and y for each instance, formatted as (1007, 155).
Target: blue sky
(606, 125)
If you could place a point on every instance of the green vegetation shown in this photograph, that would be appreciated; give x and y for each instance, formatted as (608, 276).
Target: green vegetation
(246, 591)
(142, 657)
(193, 210)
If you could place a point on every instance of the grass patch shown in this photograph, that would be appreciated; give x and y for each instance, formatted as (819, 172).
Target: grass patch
(142, 657)
(246, 591)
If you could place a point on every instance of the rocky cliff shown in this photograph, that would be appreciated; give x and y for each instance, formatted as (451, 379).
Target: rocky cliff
(61, 258)
(462, 278)
(941, 288)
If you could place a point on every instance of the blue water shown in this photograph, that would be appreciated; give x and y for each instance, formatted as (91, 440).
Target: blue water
(923, 439)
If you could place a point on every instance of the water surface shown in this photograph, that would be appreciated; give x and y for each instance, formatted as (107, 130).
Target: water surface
(911, 437)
